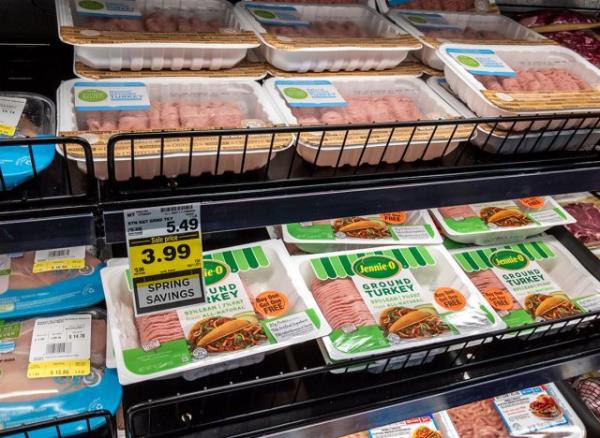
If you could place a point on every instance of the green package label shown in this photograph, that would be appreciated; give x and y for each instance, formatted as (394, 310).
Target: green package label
(10, 330)
(169, 355)
(311, 232)
(364, 338)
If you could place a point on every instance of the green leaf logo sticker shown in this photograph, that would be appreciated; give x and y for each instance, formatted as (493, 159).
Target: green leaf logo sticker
(295, 93)
(417, 19)
(376, 267)
(509, 260)
(92, 95)
(468, 61)
(267, 15)
(91, 4)
(214, 271)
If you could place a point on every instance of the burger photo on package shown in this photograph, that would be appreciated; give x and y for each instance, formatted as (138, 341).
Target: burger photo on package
(550, 307)
(221, 334)
(412, 323)
(544, 406)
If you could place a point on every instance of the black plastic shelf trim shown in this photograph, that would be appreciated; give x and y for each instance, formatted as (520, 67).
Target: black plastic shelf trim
(28, 429)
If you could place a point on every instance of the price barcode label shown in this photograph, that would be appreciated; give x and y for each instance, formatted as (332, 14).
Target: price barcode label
(64, 368)
(59, 259)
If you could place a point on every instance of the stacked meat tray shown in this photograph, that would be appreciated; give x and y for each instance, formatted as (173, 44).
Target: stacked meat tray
(227, 92)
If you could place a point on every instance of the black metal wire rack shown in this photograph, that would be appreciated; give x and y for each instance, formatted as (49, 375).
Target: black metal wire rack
(96, 424)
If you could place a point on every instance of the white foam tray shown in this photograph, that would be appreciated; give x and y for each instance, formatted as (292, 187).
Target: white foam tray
(246, 93)
(494, 142)
(427, 100)
(469, 89)
(161, 55)
(508, 28)
(339, 58)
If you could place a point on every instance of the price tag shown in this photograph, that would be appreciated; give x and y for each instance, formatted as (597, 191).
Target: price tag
(58, 368)
(59, 259)
(165, 256)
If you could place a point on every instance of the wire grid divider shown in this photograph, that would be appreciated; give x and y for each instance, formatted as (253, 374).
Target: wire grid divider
(105, 426)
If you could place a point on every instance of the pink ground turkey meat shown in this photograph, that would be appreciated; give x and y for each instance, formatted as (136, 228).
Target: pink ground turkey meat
(162, 326)
(341, 303)
(362, 110)
(168, 115)
(330, 29)
(478, 420)
(539, 80)
(156, 21)
(439, 5)
(487, 279)
(457, 211)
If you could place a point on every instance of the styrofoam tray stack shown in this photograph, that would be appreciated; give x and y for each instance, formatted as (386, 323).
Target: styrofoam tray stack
(471, 91)
(488, 26)
(248, 95)
(385, 47)
(354, 152)
(500, 142)
(159, 50)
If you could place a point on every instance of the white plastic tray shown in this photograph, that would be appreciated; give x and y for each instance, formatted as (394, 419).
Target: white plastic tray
(333, 58)
(469, 89)
(274, 276)
(495, 142)
(429, 103)
(493, 25)
(246, 94)
(162, 54)
(547, 216)
(439, 5)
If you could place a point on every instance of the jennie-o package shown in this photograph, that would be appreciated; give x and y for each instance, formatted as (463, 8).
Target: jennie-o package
(538, 280)
(500, 221)
(49, 281)
(393, 298)
(538, 411)
(311, 37)
(510, 80)
(70, 347)
(96, 110)
(426, 426)
(254, 305)
(147, 34)
(410, 227)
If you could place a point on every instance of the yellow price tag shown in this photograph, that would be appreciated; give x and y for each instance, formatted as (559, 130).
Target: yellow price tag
(165, 254)
(58, 368)
(8, 130)
(58, 265)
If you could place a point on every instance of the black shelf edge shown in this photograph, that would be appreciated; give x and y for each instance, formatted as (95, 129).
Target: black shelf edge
(277, 205)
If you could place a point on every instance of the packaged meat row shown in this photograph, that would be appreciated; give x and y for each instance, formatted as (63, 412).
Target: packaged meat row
(393, 298)
(585, 208)
(342, 234)
(37, 357)
(158, 35)
(584, 42)
(97, 110)
(508, 80)
(555, 20)
(587, 388)
(501, 221)
(432, 29)
(495, 140)
(309, 37)
(537, 280)
(439, 5)
(537, 411)
(49, 281)
(25, 115)
(255, 305)
(365, 100)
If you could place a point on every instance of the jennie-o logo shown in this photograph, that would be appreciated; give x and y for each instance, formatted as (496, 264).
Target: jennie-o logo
(91, 5)
(214, 271)
(92, 95)
(376, 267)
(295, 93)
(509, 260)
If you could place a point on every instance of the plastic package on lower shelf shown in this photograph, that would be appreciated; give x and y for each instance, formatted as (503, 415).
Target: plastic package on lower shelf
(89, 109)
(257, 305)
(25, 115)
(27, 353)
(366, 100)
(537, 411)
(393, 298)
(537, 280)
(585, 207)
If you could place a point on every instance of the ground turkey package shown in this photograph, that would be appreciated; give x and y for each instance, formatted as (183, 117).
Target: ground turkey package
(540, 411)
(538, 280)
(254, 304)
(392, 299)
(29, 400)
(35, 282)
